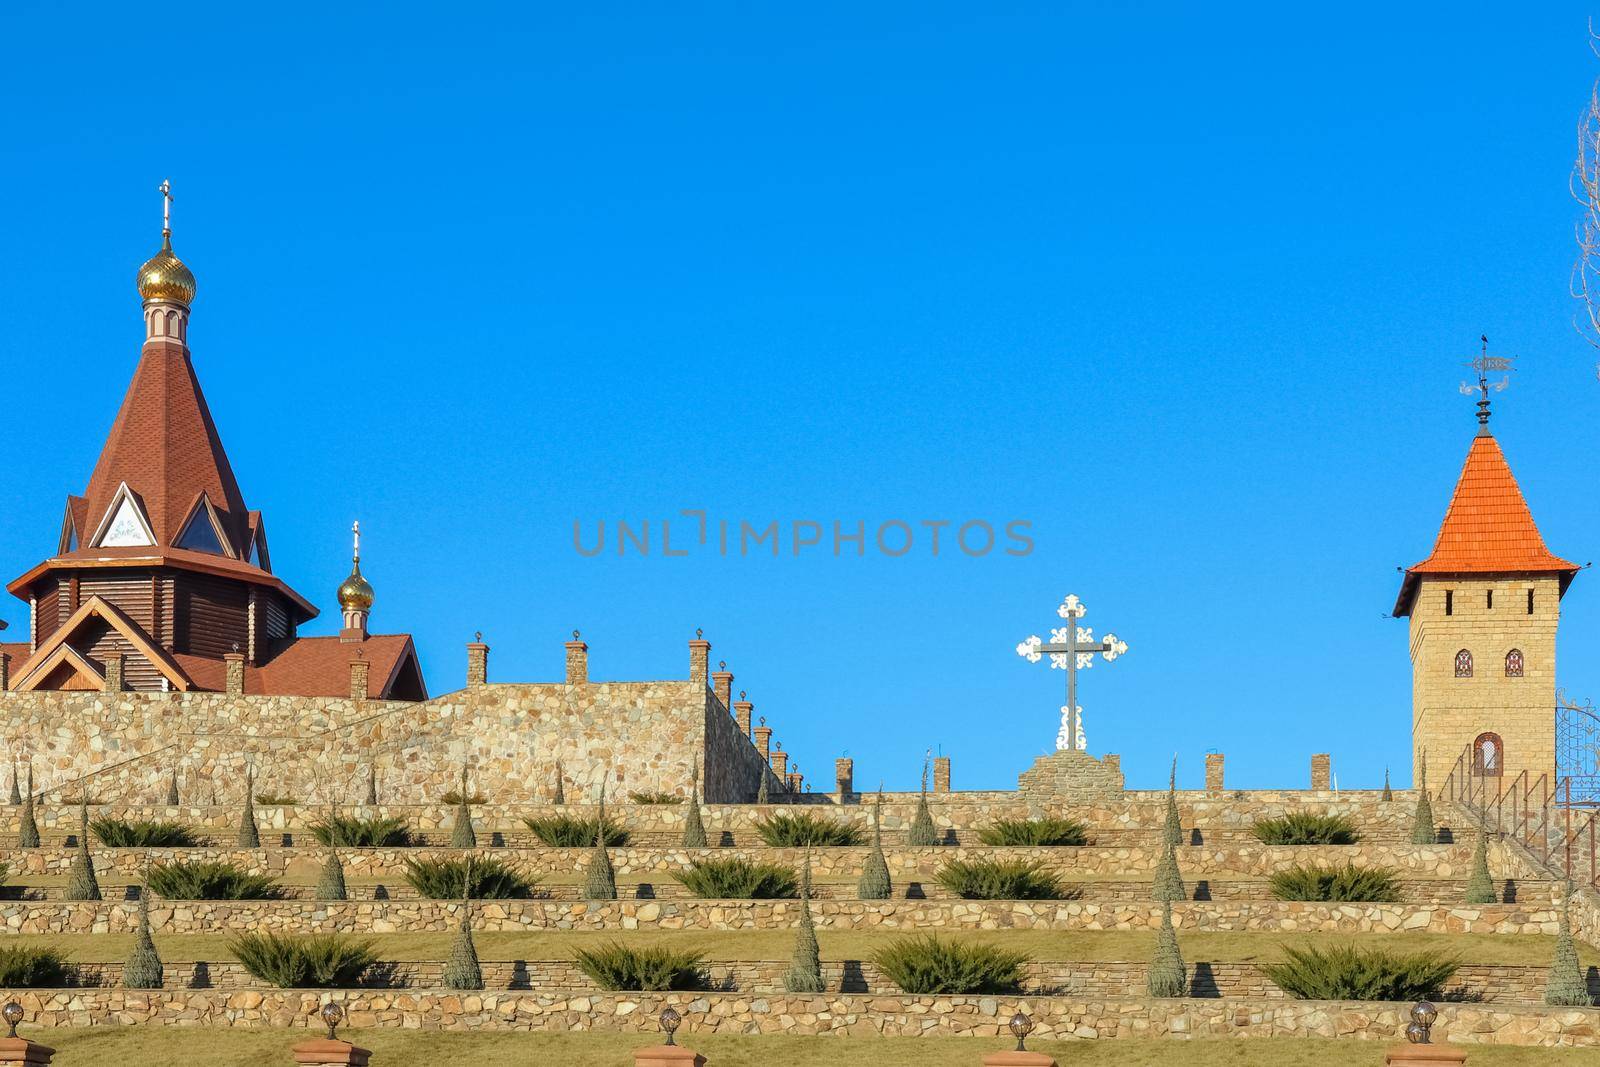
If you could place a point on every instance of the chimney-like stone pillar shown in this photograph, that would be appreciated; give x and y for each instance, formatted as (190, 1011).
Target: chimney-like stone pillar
(235, 672)
(764, 741)
(699, 659)
(792, 781)
(20, 1052)
(667, 1056)
(1113, 763)
(358, 679)
(741, 714)
(780, 764)
(844, 777)
(1321, 771)
(722, 685)
(114, 682)
(577, 661)
(477, 663)
(5, 671)
(941, 774)
(1214, 772)
(330, 1052)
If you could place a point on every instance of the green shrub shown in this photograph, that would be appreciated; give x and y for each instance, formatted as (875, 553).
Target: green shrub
(875, 883)
(571, 831)
(1336, 884)
(1564, 985)
(805, 966)
(1423, 831)
(616, 967)
(1306, 828)
(735, 878)
(351, 831)
(1167, 976)
(482, 877)
(1480, 887)
(453, 798)
(210, 880)
(1034, 832)
(462, 970)
(276, 800)
(930, 965)
(1345, 972)
(125, 833)
(654, 798)
(142, 969)
(23, 967)
(805, 830)
(1000, 880)
(330, 883)
(311, 961)
(1167, 885)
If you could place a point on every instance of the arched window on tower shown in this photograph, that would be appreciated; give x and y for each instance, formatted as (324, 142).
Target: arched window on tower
(1514, 663)
(1463, 664)
(1488, 756)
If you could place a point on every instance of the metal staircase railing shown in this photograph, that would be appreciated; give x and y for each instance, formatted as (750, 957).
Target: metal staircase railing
(1538, 813)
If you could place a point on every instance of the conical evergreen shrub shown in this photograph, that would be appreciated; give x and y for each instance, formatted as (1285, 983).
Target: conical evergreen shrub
(600, 883)
(462, 834)
(922, 832)
(249, 833)
(875, 883)
(805, 970)
(172, 790)
(1422, 830)
(461, 970)
(1168, 880)
(1388, 794)
(1480, 889)
(81, 882)
(561, 789)
(16, 787)
(142, 970)
(1172, 830)
(694, 829)
(1565, 986)
(330, 883)
(28, 837)
(761, 790)
(1168, 977)
(372, 784)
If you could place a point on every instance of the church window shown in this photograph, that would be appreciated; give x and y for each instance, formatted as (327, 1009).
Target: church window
(200, 535)
(1530, 602)
(1488, 756)
(1488, 599)
(1463, 664)
(1449, 601)
(124, 525)
(1514, 663)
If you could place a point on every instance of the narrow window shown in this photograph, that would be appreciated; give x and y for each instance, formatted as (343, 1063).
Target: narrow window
(1488, 756)
(1488, 599)
(1530, 602)
(1449, 601)
(1463, 664)
(1514, 663)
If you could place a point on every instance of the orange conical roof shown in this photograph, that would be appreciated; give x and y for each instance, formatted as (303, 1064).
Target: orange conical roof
(1487, 529)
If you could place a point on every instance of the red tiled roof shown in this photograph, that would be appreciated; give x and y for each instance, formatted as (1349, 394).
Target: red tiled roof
(18, 652)
(310, 666)
(165, 446)
(1487, 529)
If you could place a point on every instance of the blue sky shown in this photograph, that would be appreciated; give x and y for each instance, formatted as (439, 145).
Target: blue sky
(1187, 291)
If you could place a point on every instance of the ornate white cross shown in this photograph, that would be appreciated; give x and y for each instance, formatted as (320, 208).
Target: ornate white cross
(1071, 648)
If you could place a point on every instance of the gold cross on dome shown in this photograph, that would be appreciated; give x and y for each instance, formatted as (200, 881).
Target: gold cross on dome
(166, 207)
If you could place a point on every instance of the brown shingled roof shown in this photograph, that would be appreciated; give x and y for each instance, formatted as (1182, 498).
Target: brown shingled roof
(1487, 529)
(311, 666)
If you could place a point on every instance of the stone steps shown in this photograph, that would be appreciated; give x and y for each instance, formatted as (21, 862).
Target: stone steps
(1207, 979)
(834, 1015)
(394, 916)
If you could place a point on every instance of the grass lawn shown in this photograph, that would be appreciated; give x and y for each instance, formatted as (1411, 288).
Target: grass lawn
(1086, 945)
(160, 1047)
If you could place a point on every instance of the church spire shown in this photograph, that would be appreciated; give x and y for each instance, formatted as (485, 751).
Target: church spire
(166, 285)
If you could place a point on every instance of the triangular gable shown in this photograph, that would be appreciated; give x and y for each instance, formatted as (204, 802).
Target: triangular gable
(256, 554)
(406, 674)
(69, 528)
(202, 531)
(124, 524)
(38, 669)
(64, 668)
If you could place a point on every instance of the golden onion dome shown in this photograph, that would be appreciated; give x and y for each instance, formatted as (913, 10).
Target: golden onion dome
(164, 277)
(355, 592)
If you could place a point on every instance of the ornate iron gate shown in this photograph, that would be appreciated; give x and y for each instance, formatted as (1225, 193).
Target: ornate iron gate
(1577, 751)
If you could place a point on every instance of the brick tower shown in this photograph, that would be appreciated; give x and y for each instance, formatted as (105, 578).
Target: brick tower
(1484, 607)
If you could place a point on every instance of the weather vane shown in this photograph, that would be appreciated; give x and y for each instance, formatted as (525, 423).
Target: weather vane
(1071, 649)
(1483, 365)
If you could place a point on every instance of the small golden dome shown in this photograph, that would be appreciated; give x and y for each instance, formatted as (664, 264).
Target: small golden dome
(164, 277)
(355, 592)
